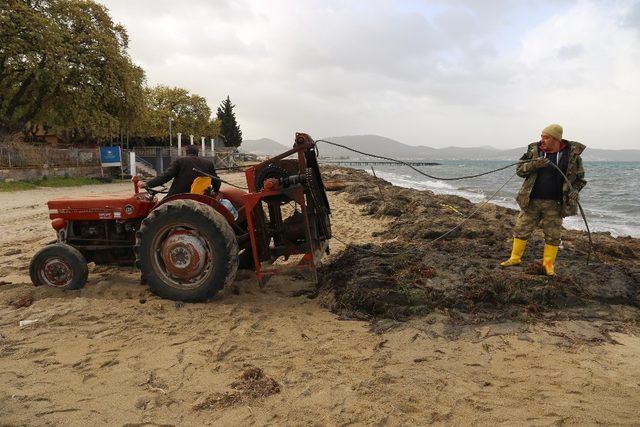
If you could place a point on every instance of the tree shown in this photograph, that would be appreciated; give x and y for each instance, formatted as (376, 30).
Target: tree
(229, 128)
(64, 63)
(189, 113)
(214, 127)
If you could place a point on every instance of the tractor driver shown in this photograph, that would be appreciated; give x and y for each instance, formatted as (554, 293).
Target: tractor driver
(182, 173)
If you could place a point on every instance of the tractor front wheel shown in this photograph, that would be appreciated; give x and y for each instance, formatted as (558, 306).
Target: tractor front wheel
(60, 266)
(186, 251)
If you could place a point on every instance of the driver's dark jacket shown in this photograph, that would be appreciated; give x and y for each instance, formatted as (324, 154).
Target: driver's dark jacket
(182, 173)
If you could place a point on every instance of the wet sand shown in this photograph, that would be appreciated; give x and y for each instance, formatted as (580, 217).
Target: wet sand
(112, 353)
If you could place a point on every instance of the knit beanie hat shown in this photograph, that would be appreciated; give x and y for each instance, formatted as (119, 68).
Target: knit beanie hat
(553, 130)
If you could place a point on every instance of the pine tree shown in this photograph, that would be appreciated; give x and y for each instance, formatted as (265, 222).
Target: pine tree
(229, 129)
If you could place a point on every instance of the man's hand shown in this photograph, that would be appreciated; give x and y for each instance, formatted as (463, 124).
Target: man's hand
(539, 162)
(142, 184)
(572, 197)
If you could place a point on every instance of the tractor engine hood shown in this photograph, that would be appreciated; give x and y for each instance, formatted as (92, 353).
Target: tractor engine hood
(101, 208)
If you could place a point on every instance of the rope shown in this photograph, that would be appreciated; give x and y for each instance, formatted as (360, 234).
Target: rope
(467, 218)
(233, 185)
(217, 178)
(584, 217)
(478, 207)
(400, 162)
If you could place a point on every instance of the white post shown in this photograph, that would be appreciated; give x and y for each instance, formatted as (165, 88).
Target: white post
(132, 163)
(179, 144)
(213, 152)
(203, 146)
(191, 139)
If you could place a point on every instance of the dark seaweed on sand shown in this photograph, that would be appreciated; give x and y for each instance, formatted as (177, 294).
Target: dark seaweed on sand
(460, 274)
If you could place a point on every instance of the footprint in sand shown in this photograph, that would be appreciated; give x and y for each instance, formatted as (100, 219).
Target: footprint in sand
(109, 363)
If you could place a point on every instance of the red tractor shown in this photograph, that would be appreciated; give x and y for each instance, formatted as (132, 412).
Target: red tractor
(189, 246)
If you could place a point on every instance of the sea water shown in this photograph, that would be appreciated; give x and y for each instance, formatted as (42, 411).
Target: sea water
(611, 199)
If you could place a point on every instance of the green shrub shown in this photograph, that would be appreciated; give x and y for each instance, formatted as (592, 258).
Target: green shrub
(46, 182)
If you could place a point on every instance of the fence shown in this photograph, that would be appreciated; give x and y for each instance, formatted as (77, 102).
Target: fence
(159, 157)
(173, 151)
(30, 157)
(156, 151)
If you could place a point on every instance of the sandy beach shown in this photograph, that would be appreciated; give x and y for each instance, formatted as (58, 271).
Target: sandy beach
(113, 353)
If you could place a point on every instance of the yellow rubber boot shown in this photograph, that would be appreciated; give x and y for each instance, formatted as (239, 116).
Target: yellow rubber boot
(516, 253)
(549, 258)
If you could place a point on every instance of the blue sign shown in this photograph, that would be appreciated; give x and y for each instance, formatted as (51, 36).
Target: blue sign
(110, 156)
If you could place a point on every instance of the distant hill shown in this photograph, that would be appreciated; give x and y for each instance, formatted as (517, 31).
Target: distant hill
(391, 148)
(595, 154)
(380, 145)
(263, 146)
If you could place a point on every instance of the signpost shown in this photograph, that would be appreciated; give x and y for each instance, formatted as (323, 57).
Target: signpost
(110, 157)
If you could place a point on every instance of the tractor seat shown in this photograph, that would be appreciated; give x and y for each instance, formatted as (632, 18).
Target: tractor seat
(200, 185)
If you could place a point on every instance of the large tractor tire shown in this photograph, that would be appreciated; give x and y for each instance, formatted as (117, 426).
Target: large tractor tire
(60, 266)
(186, 251)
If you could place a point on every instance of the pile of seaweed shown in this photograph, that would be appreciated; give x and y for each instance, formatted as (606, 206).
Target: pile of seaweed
(460, 273)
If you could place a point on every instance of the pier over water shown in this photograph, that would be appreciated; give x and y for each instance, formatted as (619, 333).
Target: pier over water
(373, 163)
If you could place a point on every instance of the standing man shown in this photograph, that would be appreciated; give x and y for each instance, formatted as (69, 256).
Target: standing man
(545, 197)
(182, 173)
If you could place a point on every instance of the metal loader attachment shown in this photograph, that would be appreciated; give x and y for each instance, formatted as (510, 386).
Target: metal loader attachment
(287, 210)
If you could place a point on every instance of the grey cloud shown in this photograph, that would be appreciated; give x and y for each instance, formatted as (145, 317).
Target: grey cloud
(159, 30)
(632, 18)
(141, 10)
(401, 69)
(570, 52)
(397, 46)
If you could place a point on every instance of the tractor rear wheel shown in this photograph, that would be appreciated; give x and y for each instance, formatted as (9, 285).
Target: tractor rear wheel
(60, 266)
(186, 251)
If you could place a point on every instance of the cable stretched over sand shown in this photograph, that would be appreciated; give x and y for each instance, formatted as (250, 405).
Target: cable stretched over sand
(584, 217)
(467, 218)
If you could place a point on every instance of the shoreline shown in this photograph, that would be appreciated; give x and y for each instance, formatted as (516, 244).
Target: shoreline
(443, 188)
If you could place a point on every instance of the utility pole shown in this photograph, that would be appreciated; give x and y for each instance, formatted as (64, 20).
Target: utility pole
(170, 133)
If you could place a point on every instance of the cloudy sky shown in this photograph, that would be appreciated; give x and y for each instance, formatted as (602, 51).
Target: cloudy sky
(437, 73)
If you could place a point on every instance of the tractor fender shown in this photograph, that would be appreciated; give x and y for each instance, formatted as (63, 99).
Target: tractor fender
(210, 201)
(234, 195)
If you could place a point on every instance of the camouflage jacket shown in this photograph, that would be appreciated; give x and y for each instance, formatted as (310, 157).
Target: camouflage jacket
(575, 173)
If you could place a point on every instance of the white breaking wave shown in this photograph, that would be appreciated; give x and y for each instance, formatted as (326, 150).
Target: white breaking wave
(438, 187)
(599, 220)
